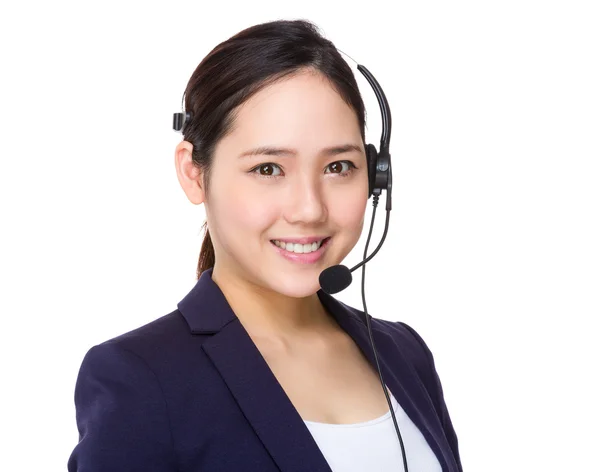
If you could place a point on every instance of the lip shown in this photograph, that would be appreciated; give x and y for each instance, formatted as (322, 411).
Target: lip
(309, 258)
(307, 240)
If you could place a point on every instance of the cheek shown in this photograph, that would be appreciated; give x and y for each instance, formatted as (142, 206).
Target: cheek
(246, 209)
(349, 211)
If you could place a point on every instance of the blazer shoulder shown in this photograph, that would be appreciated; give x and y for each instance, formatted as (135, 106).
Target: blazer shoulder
(409, 341)
(157, 336)
(163, 345)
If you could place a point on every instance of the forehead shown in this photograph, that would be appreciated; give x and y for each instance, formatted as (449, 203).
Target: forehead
(299, 109)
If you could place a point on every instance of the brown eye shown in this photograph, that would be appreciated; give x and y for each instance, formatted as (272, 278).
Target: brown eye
(268, 169)
(335, 167)
(338, 168)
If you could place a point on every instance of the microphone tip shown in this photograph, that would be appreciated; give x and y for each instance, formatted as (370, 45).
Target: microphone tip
(334, 279)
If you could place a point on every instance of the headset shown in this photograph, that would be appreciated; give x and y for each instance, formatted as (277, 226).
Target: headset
(379, 170)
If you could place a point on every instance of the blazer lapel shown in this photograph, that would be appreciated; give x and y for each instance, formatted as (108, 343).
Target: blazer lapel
(263, 401)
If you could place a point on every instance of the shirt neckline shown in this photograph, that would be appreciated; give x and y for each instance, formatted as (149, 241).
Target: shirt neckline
(362, 424)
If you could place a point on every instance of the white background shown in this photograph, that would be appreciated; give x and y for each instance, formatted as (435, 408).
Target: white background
(493, 249)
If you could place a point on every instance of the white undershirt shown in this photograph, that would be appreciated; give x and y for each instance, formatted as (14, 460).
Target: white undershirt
(373, 445)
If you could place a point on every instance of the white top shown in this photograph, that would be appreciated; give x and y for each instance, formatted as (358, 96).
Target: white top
(374, 445)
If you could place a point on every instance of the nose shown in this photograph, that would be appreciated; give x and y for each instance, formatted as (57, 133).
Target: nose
(305, 202)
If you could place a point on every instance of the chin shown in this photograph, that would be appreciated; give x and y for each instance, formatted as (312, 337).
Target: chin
(295, 285)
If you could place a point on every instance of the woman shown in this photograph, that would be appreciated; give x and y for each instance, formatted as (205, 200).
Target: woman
(258, 369)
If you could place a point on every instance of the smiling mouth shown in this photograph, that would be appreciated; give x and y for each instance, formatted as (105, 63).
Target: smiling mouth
(300, 248)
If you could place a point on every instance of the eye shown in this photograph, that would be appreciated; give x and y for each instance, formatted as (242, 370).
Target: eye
(267, 170)
(338, 168)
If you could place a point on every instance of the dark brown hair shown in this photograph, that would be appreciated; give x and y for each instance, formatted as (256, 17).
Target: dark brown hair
(240, 67)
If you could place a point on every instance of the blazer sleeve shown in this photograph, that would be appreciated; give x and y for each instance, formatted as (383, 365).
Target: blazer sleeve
(434, 386)
(121, 415)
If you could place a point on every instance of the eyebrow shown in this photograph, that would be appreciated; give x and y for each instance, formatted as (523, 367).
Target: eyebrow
(286, 152)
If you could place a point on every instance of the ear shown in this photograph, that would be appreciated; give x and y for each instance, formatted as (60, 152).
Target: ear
(189, 176)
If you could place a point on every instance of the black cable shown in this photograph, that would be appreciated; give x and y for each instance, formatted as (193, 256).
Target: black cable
(368, 321)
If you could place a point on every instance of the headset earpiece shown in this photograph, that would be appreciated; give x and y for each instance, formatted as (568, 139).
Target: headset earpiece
(379, 170)
(180, 120)
(383, 174)
(371, 152)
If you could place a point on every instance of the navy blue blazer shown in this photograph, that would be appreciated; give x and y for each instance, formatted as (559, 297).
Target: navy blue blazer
(190, 392)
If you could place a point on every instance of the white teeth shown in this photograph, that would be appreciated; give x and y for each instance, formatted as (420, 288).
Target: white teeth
(299, 248)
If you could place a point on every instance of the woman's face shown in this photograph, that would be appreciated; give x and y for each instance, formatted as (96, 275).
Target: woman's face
(315, 185)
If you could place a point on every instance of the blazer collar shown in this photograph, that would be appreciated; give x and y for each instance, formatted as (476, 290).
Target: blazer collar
(263, 400)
